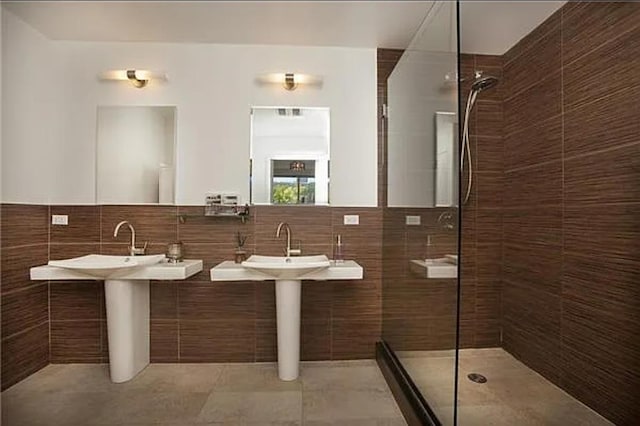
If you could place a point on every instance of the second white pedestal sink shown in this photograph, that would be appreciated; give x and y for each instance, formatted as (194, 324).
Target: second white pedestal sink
(283, 268)
(288, 273)
(126, 285)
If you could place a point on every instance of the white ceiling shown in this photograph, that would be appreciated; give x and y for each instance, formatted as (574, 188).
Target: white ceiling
(388, 24)
(489, 27)
(493, 27)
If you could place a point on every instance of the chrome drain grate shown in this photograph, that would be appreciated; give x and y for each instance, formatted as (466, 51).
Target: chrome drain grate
(477, 378)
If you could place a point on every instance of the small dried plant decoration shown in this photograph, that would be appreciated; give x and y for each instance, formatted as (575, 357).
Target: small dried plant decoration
(241, 239)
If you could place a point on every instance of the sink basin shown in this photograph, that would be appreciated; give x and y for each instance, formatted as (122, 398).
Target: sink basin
(444, 267)
(452, 258)
(104, 266)
(127, 300)
(286, 268)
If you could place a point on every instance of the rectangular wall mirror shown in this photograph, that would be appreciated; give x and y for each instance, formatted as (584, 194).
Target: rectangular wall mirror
(290, 155)
(135, 155)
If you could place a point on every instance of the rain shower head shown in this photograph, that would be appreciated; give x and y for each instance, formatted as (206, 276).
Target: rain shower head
(482, 83)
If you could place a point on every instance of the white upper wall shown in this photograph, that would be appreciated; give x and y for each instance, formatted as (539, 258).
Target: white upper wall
(213, 88)
(30, 105)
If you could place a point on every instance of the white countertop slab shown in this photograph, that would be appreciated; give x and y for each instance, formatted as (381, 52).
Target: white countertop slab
(158, 271)
(231, 271)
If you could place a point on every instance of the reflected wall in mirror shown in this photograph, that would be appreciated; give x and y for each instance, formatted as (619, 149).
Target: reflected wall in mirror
(135, 155)
(290, 155)
(446, 159)
(423, 84)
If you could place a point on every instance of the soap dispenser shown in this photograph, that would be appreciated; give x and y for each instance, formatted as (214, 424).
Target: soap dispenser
(338, 255)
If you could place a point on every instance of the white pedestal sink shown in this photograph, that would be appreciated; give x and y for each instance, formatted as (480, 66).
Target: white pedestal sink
(288, 273)
(126, 284)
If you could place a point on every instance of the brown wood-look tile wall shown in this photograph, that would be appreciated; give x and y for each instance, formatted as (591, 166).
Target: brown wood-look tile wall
(202, 321)
(482, 219)
(418, 314)
(25, 316)
(571, 301)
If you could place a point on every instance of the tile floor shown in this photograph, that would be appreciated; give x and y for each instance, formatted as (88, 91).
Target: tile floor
(327, 393)
(513, 394)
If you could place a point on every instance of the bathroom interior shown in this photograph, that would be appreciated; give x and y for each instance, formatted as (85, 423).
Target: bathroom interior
(320, 213)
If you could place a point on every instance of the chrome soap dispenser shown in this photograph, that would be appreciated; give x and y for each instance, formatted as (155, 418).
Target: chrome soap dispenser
(338, 255)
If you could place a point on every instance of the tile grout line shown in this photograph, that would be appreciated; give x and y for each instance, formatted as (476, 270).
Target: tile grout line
(100, 304)
(26, 330)
(563, 214)
(601, 45)
(49, 282)
(178, 285)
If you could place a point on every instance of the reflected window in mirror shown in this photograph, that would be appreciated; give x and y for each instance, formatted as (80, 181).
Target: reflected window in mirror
(290, 155)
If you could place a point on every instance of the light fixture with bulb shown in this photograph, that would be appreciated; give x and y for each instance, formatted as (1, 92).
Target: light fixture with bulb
(139, 78)
(290, 80)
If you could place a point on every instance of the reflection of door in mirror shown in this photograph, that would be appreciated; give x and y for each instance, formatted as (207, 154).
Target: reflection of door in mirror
(446, 159)
(290, 155)
(135, 155)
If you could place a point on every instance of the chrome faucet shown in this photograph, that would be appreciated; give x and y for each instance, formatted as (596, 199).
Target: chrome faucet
(289, 251)
(133, 250)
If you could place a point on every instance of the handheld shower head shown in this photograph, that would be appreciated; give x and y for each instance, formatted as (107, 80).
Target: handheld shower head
(483, 83)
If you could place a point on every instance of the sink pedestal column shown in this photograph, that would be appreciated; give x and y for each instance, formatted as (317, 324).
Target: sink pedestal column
(128, 327)
(288, 297)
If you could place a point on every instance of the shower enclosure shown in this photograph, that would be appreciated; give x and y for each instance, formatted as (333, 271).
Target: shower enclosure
(510, 219)
(421, 216)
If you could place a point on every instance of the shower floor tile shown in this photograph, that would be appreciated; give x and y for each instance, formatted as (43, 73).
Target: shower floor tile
(514, 394)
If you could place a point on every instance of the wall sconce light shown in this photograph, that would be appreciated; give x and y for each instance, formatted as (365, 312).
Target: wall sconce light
(289, 80)
(297, 166)
(139, 78)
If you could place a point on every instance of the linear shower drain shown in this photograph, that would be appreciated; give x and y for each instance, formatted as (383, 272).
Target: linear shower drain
(477, 378)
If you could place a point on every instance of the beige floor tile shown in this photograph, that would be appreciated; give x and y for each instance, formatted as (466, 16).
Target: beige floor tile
(339, 406)
(152, 407)
(564, 414)
(364, 422)
(513, 394)
(54, 408)
(175, 378)
(340, 363)
(254, 377)
(355, 377)
(227, 423)
(66, 378)
(228, 407)
(493, 415)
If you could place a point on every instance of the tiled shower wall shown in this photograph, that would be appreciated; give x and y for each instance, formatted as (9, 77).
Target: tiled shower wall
(191, 321)
(419, 313)
(571, 295)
